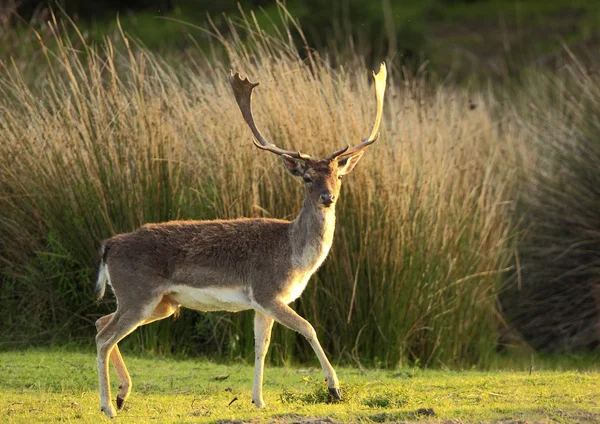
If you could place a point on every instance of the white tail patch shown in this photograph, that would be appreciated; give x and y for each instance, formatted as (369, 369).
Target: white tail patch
(103, 278)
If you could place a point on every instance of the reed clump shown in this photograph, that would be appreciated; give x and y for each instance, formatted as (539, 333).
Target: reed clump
(554, 299)
(109, 137)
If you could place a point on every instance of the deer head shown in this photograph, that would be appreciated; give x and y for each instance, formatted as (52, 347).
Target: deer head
(321, 178)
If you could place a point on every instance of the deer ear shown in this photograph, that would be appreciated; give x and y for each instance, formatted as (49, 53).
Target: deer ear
(347, 164)
(296, 167)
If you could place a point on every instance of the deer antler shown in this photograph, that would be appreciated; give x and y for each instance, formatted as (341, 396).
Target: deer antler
(242, 90)
(379, 79)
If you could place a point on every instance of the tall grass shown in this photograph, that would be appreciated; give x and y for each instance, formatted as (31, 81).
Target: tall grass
(554, 300)
(107, 138)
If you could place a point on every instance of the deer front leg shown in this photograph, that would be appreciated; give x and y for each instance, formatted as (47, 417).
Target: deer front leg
(285, 315)
(262, 338)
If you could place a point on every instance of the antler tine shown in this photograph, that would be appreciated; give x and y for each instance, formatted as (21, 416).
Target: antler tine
(380, 79)
(242, 90)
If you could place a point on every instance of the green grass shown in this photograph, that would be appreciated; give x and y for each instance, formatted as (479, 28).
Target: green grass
(53, 385)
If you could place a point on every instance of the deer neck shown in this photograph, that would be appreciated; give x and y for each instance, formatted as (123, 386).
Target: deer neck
(312, 235)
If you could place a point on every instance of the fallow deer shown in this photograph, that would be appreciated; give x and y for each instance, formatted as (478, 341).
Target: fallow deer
(227, 265)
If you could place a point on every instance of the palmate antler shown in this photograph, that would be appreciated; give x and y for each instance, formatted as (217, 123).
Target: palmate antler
(380, 79)
(242, 90)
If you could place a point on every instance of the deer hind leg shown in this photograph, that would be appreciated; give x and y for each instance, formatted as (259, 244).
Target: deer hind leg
(119, 364)
(124, 321)
(121, 324)
(262, 338)
(164, 309)
(285, 315)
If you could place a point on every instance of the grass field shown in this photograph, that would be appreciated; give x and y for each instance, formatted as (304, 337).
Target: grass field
(53, 385)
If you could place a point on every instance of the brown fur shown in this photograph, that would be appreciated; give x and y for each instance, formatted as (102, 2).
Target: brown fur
(200, 254)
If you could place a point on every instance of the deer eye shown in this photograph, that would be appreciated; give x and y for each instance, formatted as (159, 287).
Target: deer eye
(340, 177)
(307, 179)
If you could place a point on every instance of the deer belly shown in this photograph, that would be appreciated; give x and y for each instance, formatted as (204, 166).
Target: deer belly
(211, 298)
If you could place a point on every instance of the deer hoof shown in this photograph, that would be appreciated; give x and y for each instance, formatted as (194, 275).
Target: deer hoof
(109, 411)
(335, 393)
(120, 402)
(260, 404)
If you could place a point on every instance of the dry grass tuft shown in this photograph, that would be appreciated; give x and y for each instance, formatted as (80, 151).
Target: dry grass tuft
(107, 138)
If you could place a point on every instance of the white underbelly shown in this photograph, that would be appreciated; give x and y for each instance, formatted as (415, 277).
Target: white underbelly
(212, 298)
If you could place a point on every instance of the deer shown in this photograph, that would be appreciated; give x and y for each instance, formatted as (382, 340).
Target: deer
(228, 265)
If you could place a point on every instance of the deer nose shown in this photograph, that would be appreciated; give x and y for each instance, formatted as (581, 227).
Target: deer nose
(327, 199)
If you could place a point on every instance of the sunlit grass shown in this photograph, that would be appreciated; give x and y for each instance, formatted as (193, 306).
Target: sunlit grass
(50, 385)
